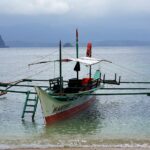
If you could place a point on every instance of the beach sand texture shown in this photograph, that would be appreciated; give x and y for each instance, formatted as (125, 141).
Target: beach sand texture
(86, 148)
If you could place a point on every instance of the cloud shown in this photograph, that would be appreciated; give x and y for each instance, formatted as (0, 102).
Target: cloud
(33, 7)
(80, 8)
(102, 8)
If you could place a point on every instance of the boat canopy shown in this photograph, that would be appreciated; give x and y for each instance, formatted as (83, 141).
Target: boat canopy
(85, 60)
(88, 60)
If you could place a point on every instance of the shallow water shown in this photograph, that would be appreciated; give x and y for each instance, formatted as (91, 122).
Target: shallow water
(112, 120)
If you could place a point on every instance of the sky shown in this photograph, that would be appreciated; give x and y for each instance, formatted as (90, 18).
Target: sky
(96, 20)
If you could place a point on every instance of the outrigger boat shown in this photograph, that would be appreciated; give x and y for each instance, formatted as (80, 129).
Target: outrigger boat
(62, 99)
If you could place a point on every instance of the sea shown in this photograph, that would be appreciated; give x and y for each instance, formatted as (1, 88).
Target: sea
(112, 121)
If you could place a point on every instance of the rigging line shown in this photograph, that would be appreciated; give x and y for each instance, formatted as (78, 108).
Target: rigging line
(24, 66)
(34, 69)
(20, 70)
(36, 73)
(109, 72)
(125, 70)
(70, 55)
(37, 68)
(45, 56)
(101, 68)
(128, 69)
(131, 71)
(26, 72)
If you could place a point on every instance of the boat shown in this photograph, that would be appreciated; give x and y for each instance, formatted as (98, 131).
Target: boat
(63, 99)
(66, 98)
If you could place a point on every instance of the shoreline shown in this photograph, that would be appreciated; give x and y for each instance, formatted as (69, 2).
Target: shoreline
(144, 147)
(84, 148)
(79, 147)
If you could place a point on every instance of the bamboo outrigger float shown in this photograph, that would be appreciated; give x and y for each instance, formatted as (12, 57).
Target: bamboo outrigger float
(62, 99)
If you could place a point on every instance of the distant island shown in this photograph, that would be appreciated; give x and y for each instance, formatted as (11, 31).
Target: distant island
(67, 45)
(2, 43)
(97, 43)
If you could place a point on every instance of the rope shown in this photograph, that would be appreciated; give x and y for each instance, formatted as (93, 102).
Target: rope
(128, 69)
(68, 54)
(23, 70)
(36, 73)
(29, 72)
(45, 56)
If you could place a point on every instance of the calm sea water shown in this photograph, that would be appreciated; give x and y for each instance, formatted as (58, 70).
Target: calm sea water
(111, 121)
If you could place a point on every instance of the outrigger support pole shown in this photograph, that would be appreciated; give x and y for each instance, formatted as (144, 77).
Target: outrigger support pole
(13, 91)
(23, 85)
(112, 94)
(130, 82)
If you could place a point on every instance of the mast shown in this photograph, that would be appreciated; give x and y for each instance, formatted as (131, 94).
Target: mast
(60, 67)
(90, 72)
(77, 50)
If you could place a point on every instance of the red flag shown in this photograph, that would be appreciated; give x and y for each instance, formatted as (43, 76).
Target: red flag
(89, 50)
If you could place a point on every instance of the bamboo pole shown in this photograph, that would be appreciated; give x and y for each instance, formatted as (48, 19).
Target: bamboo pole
(21, 85)
(13, 91)
(124, 88)
(112, 94)
(40, 80)
(130, 82)
(94, 94)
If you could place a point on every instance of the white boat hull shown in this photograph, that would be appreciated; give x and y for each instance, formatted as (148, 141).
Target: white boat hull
(55, 110)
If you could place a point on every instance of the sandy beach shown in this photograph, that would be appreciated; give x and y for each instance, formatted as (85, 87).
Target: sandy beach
(86, 148)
